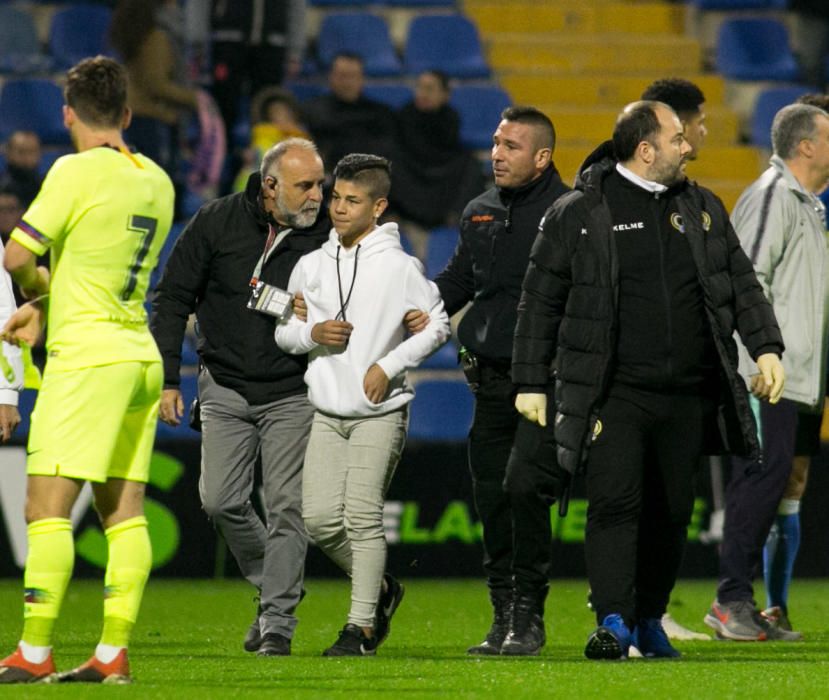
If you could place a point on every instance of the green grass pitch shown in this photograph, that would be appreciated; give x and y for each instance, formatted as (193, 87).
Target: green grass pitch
(188, 644)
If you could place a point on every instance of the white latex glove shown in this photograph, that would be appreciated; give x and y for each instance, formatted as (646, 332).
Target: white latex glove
(533, 407)
(769, 383)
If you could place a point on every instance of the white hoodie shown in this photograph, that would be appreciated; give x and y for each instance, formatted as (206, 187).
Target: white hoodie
(386, 285)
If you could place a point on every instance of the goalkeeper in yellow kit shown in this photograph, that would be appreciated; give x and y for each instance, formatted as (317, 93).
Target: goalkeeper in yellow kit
(104, 214)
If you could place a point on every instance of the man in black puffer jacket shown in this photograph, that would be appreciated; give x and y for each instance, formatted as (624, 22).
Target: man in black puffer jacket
(497, 232)
(636, 284)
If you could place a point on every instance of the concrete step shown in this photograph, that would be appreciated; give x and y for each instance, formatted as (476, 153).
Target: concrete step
(596, 89)
(608, 53)
(576, 17)
(587, 126)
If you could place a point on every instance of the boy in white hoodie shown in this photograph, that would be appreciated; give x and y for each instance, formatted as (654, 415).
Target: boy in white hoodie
(357, 288)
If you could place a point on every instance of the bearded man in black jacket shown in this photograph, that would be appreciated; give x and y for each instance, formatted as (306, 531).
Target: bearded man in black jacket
(497, 231)
(636, 285)
(252, 395)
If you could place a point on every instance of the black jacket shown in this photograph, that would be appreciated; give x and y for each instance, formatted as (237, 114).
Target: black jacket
(569, 311)
(209, 272)
(497, 232)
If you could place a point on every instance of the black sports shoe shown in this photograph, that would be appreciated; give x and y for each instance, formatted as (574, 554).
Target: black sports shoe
(274, 644)
(386, 607)
(351, 642)
(502, 602)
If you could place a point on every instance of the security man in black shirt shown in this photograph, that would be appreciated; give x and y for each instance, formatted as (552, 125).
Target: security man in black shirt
(496, 234)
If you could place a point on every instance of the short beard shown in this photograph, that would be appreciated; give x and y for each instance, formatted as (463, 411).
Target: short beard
(296, 219)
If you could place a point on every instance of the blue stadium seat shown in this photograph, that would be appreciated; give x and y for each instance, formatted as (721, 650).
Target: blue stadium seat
(480, 110)
(164, 254)
(755, 49)
(445, 358)
(304, 90)
(439, 248)
(21, 48)
(50, 155)
(33, 105)
(441, 411)
(337, 3)
(79, 31)
(359, 33)
(769, 102)
(394, 96)
(449, 43)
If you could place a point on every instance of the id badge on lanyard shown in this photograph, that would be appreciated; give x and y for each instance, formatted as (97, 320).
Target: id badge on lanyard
(264, 297)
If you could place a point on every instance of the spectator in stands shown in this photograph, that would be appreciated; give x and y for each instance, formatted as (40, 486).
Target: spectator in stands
(497, 231)
(11, 208)
(434, 176)
(344, 120)
(781, 224)
(23, 154)
(145, 35)
(688, 101)
(275, 118)
(811, 38)
(252, 395)
(255, 44)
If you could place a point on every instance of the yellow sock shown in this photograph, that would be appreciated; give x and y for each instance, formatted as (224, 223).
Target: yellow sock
(128, 567)
(48, 570)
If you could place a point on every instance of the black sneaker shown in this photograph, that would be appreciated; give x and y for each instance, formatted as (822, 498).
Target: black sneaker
(386, 607)
(351, 642)
(274, 644)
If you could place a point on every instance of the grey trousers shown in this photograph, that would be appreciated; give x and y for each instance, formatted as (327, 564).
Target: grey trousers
(348, 468)
(270, 555)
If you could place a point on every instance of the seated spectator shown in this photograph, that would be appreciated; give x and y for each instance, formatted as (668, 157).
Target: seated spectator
(11, 208)
(22, 165)
(344, 120)
(275, 118)
(434, 176)
(144, 33)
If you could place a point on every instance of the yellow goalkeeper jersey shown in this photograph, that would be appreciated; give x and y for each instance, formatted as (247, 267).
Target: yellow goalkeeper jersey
(105, 214)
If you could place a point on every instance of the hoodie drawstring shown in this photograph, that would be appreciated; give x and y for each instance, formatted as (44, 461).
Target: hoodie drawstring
(344, 302)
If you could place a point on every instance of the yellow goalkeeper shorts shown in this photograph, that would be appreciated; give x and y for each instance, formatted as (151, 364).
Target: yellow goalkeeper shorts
(96, 423)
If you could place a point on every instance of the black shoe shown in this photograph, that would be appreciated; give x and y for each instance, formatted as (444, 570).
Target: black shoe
(386, 606)
(274, 644)
(351, 642)
(501, 618)
(526, 634)
(253, 638)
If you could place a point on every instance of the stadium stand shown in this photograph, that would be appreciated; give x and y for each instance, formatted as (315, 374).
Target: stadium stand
(769, 102)
(360, 33)
(439, 249)
(79, 31)
(22, 53)
(33, 104)
(448, 43)
(755, 49)
(441, 410)
(729, 5)
(479, 107)
(394, 96)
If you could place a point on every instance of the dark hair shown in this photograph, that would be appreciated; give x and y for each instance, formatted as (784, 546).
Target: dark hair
(680, 95)
(348, 55)
(816, 99)
(263, 100)
(522, 114)
(638, 122)
(442, 78)
(132, 22)
(369, 171)
(96, 88)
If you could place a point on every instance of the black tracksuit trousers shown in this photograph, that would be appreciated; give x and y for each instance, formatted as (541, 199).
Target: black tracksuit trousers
(640, 474)
(517, 533)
